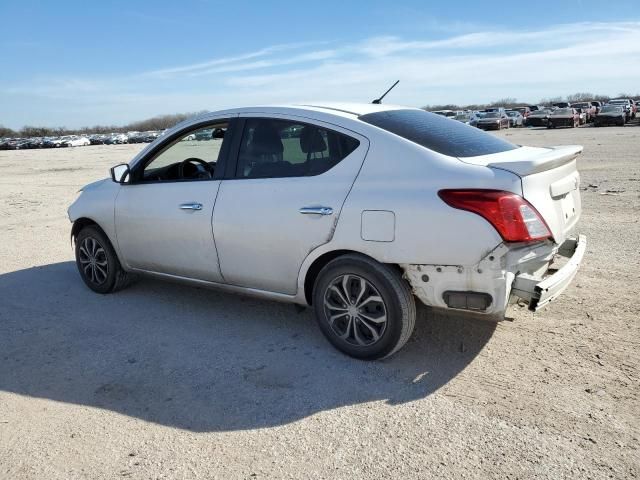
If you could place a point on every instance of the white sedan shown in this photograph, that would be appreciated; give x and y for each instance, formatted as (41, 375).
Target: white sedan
(77, 142)
(357, 210)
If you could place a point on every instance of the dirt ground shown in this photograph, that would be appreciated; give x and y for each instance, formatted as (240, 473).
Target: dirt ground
(167, 381)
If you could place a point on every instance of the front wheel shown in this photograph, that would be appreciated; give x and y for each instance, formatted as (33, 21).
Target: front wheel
(364, 308)
(97, 261)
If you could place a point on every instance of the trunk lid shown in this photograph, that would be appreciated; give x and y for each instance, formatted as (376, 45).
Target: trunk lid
(550, 182)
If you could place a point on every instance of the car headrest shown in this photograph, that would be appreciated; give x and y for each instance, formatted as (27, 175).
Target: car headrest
(265, 140)
(217, 133)
(311, 140)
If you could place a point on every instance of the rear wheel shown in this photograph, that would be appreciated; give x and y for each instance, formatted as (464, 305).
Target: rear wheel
(97, 262)
(364, 308)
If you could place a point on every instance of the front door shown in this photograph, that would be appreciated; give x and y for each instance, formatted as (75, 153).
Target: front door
(163, 216)
(290, 181)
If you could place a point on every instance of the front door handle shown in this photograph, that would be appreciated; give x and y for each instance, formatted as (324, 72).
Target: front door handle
(316, 210)
(191, 206)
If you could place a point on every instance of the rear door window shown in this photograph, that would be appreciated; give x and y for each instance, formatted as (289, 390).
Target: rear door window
(438, 133)
(273, 148)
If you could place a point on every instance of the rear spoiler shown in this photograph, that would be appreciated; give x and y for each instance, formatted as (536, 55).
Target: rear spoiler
(553, 158)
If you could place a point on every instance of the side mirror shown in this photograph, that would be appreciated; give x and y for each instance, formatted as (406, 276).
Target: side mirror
(120, 173)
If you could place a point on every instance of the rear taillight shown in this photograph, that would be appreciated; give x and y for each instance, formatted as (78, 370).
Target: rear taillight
(515, 219)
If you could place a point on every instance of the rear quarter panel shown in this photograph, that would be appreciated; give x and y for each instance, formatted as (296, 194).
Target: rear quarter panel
(404, 178)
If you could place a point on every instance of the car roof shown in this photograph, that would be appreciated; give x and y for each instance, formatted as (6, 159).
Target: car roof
(340, 109)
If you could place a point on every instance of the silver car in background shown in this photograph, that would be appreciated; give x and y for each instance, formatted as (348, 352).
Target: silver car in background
(357, 210)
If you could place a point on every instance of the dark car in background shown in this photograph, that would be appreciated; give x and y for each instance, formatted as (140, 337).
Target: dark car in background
(97, 139)
(610, 115)
(537, 118)
(564, 117)
(562, 105)
(626, 104)
(493, 121)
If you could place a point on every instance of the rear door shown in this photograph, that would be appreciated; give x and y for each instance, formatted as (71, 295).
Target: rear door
(283, 197)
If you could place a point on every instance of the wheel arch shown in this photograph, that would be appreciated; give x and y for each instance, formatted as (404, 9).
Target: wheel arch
(311, 273)
(83, 222)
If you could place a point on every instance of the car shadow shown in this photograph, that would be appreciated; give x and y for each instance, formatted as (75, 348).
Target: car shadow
(203, 360)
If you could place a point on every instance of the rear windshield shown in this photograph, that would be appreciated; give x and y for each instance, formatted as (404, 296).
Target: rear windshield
(437, 133)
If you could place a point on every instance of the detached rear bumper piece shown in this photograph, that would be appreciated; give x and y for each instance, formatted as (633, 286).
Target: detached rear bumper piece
(539, 292)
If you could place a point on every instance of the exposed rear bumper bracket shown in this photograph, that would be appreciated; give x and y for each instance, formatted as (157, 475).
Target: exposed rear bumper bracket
(540, 292)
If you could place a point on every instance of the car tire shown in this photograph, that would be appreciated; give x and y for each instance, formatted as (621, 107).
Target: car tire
(97, 261)
(352, 295)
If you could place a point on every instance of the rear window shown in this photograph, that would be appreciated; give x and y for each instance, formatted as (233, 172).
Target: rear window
(438, 133)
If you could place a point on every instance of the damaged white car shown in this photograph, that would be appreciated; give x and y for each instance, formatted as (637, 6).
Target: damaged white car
(353, 209)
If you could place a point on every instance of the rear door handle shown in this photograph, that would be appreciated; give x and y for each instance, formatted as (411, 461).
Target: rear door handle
(191, 206)
(316, 210)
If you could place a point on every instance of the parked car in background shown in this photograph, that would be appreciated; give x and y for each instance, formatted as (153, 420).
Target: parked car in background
(562, 105)
(515, 118)
(597, 105)
(474, 118)
(134, 137)
(317, 220)
(116, 138)
(54, 142)
(535, 108)
(493, 121)
(204, 134)
(524, 111)
(97, 139)
(610, 115)
(563, 117)
(626, 104)
(445, 113)
(582, 116)
(537, 118)
(587, 108)
(74, 141)
(150, 136)
(14, 144)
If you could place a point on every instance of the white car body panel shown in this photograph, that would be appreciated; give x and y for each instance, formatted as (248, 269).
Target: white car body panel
(255, 254)
(266, 247)
(158, 236)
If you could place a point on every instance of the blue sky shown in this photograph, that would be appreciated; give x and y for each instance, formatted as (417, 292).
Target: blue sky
(85, 63)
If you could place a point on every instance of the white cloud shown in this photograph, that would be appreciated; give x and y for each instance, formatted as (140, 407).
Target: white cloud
(472, 67)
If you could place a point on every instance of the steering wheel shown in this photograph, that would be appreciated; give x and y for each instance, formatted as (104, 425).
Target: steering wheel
(203, 168)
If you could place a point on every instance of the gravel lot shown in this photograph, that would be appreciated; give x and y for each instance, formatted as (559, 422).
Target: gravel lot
(167, 381)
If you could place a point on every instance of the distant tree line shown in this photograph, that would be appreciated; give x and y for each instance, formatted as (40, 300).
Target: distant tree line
(509, 102)
(155, 123)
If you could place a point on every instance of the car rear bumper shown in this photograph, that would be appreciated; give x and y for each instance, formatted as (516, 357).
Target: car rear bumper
(505, 273)
(540, 292)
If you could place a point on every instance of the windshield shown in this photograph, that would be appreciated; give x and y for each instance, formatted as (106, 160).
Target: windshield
(611, 108)
(619, 102)
(513, 114)
(563, 111)
(492, 115)
(438, 134)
